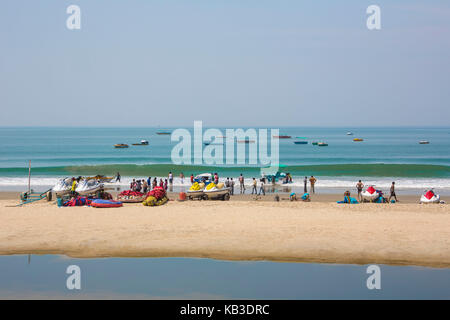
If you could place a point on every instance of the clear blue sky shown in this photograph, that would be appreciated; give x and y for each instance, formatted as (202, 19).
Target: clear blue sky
(226, 62)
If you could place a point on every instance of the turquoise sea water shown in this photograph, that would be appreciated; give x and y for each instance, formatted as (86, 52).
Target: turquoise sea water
(385, 154)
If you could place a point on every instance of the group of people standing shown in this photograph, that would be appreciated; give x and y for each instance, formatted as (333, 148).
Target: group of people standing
(312, 182)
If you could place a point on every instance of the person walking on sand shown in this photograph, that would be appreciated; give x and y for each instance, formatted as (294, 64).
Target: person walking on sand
(232, 186)
(261, 188)
(254, 183)
(154, 183)
(149, 183)
(305, 185)
(118, 177)
(192, 178)
(241, 184)
(392, 195)
(133, 185)
(312, 181)
(74, 186)
(165, 184)
(161, 183)
(227, 183)
(359, 188)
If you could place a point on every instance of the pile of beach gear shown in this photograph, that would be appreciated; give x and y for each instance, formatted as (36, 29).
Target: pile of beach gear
(156, 197)
(130, 196)
(78, 202)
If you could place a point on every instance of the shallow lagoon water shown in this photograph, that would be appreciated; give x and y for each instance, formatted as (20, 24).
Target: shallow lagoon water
(44, 276)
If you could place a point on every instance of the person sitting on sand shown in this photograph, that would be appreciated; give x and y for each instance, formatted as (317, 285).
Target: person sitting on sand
(306, 197)
(293, 197)
(392, 195)
(312, 181)
(359, 188)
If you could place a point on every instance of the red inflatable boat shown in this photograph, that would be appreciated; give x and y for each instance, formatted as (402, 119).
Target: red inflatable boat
(100, 203)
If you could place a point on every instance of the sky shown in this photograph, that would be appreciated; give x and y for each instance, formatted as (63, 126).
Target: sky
(225, 62)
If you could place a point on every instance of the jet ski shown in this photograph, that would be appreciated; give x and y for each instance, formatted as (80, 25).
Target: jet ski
(196, 190)
(370, 194)
(89, 187)
(63, 186)
(430, 197)
(213, 191)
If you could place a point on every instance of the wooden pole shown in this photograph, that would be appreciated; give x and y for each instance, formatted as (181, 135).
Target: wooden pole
(29, 176)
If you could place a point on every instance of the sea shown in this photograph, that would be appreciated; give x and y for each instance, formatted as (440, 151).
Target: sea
(387, 154)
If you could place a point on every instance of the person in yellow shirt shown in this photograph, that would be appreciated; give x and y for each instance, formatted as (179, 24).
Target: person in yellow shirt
(74, 186)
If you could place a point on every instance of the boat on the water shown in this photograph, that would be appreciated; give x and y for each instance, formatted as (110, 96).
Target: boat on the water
(315, 143)
(142, 143)
(121, 146)
(245, 141)
(424, 142)
(301, 142)
(358, 139)
(163, 133)
(349, 133)
(322, 144)
(282, 137)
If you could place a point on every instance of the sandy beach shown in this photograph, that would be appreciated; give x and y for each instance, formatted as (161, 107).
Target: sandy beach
(405, 233)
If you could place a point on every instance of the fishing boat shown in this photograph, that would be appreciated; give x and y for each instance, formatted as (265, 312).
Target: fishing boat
(161, 133)
(322, 144)
(121, 146)
(314, 143)
(245, 141)
(358, 139)
(424, 142)
(301, 142)
(142, 143)
(282, 137)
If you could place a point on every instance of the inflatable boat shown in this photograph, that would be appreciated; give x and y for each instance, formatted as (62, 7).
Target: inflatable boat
(430, 197)
(63, 186)
(100, 203)
(370, 194)
(88, 187)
